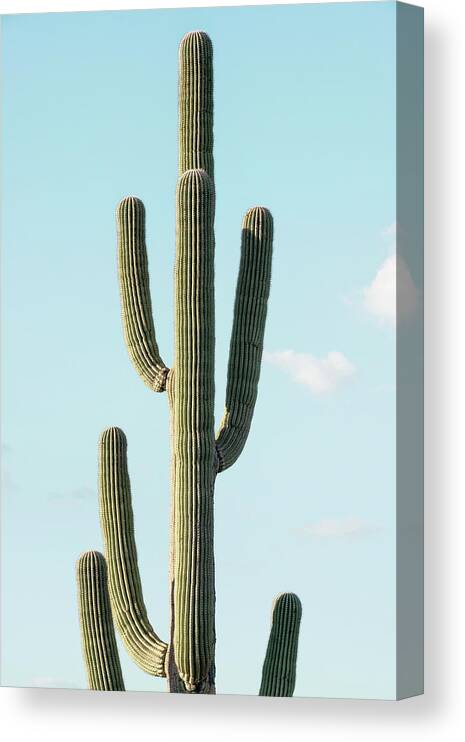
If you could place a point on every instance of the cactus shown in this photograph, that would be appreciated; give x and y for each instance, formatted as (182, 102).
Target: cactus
(278, 675)
(98, 634)
(188, 658)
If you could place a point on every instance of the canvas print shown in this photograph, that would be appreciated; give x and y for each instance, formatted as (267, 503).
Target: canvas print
(212, 350)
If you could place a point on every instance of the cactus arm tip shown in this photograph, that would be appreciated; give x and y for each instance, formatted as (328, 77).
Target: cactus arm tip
(125, 588)
(195, 37)
(246, 346)
(97, 631)
(136, 304)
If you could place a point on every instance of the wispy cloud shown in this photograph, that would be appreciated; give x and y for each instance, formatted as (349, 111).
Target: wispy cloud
(77, 495)
(338, 528)
(389, 233)
(320, 375)
(392, 295)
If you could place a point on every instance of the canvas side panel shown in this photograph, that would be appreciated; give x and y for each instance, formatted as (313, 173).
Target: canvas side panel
(409, 305)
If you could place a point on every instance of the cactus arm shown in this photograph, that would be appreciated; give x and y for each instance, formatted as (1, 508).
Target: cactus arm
(97, 631)
(196, 103)
(193, 432)
(125, 589)
(136, 305)
(279, 667)
(246, 347)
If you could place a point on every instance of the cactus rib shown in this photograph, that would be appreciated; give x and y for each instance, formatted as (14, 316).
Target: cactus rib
(246, 347)
(97, 632)
(279, 667)
(125, 588)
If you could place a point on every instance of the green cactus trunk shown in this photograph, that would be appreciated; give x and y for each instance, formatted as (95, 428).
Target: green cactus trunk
(188, 658)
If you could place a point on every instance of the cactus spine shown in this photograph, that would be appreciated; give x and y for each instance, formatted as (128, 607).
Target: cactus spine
(188, 658)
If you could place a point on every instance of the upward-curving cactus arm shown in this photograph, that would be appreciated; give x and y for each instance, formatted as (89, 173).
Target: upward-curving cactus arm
(279, 667)
(196, 103)
(117, 522)
(136, 305)
(97, 632)
(246, 348)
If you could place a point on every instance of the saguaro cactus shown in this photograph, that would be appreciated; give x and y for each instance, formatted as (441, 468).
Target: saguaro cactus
(188, 658)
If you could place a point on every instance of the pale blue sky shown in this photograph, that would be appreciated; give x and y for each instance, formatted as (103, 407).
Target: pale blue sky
(304, 124)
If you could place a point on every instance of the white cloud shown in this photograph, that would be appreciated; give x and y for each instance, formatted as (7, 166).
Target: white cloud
(379, 298)
(338, 528)
(320, 375)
